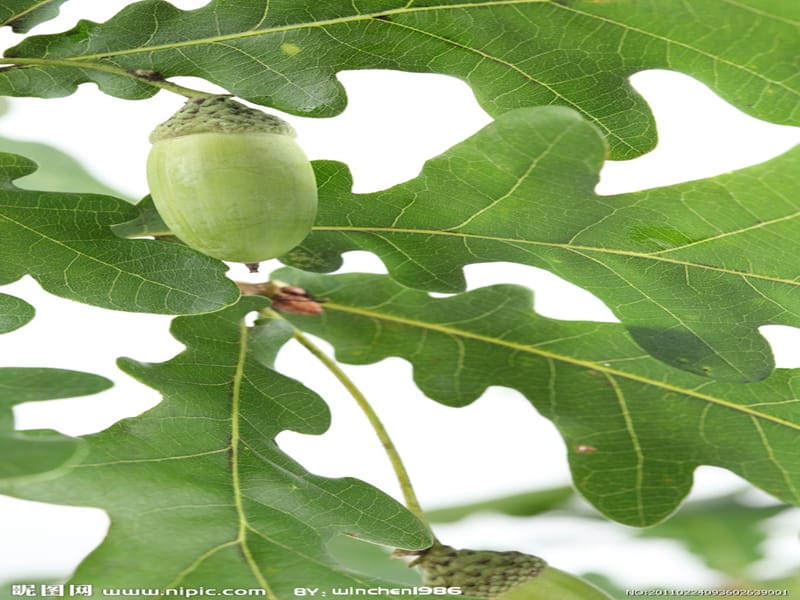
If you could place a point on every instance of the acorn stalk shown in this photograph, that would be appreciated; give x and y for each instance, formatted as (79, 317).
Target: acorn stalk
(230, 181)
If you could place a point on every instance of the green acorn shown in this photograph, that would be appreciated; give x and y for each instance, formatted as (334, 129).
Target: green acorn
(501, 575)
(230, 181)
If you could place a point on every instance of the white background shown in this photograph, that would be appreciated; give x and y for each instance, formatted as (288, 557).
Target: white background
(393, 123)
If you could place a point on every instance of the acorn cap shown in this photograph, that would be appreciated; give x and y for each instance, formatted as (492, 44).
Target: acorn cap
(218, 114)
(479, 573)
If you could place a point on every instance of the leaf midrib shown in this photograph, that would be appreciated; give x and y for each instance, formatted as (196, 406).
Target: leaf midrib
(236, 441)
(635, 445)
(561, 246)
(570, 360)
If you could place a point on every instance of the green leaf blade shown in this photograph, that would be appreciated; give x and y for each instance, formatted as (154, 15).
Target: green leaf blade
(27, 455)
(576, 54)
(635, 429)
(58, 171)
(30, 384)
(205, 461)
(727, 533)
(665, 260)
(523, 504)
(31, 454)
(24, 15)
(14, 313)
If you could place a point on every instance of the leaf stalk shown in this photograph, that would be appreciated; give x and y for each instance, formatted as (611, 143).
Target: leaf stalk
(403, 478)
(152, 78)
